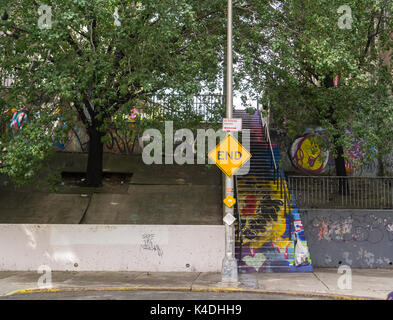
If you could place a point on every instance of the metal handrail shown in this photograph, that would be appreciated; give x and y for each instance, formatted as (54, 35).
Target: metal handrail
(279, 175)
(284, 187)
(265, 123)
(279, 172)
(286, 194)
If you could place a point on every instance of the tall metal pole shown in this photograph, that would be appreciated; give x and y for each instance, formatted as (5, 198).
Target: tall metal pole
(229, 87)
(229, 271)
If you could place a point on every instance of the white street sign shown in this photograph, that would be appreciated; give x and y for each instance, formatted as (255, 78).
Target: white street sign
(232, 124)
(229, 219)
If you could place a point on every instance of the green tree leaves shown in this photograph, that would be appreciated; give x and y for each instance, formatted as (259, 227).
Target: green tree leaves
(87, 65)
(302, 51)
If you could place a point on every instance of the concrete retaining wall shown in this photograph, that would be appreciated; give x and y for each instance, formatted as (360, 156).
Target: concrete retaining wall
(358, 238)
(371, 169)
(164, 248)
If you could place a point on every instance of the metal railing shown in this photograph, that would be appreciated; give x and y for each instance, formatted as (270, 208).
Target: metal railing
(208, 106)
(266, 126)
(286, 196)
(279, 176)
(342, 192)
(6, 81)
(274, 166)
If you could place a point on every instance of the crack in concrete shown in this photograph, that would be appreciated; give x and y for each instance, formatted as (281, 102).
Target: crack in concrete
(83, 218)
(321, 281)
(196, 278)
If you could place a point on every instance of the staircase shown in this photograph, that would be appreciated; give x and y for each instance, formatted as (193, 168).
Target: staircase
(269, 227)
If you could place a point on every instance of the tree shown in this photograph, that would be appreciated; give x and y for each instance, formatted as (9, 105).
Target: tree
(315, 61)
(98, 58)
(319, 62)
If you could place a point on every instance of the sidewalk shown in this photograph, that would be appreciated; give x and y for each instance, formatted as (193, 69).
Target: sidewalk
(366, 284)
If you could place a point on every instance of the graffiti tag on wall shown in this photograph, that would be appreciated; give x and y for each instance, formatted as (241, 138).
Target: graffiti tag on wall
(360, 239)
(77, 139)
(351, 228)
(149, 244)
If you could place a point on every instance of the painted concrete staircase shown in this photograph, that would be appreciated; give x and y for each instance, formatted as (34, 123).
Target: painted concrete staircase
(268, 228)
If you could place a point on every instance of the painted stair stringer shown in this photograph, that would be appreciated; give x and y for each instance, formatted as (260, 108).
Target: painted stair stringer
(297, 226)
(268, 233)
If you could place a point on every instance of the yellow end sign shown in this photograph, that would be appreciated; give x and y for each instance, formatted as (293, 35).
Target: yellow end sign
(229, 155)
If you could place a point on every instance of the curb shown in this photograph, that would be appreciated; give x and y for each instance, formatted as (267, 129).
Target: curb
(188, 289)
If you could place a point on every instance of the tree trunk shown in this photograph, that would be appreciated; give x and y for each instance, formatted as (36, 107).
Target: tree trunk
(381, 166)
(95, 159)
(341, 172)
(340, 162)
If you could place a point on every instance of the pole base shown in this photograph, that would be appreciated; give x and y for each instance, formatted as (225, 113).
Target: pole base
(229, 272)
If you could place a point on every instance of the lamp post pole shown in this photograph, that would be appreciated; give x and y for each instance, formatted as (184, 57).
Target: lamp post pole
(229, 271)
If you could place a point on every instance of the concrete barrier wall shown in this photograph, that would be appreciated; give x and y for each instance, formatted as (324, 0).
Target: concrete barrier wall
(152, 248)
(358, 238)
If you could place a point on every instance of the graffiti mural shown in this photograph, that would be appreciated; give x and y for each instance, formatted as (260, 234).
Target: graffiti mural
(310, 154)
(76, 138)
(355, 156)
(62, 143)
(18, 118)
(124, 143)
(268, 233)
(79, 141)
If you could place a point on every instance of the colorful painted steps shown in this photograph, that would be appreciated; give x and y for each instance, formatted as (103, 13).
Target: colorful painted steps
(268, 229)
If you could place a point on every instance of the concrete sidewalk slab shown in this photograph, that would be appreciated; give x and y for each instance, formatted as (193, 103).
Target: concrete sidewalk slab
(165, 280)
(303, 282)
(11, 281)
(212, 282)
(14, 282)
(41, 208)
(365, 282)
(269, 283)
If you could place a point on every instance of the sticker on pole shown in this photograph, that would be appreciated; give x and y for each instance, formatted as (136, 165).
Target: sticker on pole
(229, 155)
(231, 124)
(230, 201)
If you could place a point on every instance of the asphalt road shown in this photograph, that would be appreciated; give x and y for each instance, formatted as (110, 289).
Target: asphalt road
(155, 295)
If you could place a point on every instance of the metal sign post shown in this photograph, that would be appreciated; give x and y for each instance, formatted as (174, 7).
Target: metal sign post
(229, 272)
